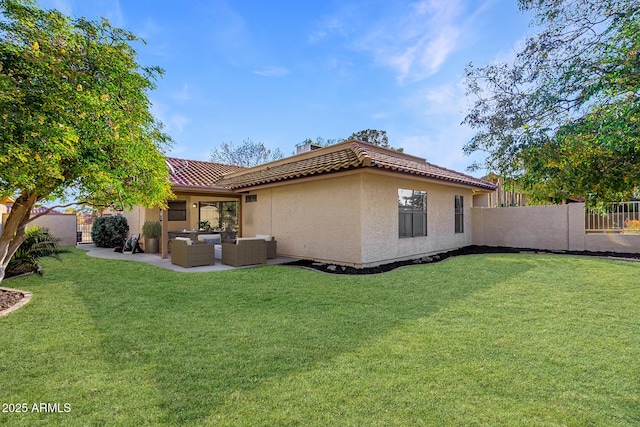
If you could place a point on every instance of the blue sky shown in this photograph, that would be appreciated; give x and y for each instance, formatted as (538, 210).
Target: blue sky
(280, 72)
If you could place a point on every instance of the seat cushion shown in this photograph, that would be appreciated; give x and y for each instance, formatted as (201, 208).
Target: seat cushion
(215, 239)
(185, 239)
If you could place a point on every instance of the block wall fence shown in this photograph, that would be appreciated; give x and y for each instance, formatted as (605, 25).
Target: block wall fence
(560, 228)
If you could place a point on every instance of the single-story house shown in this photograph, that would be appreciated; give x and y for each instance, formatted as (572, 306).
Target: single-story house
(352, 203)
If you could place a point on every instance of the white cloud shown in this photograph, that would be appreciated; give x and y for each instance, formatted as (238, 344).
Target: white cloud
(272, 72)
(438, 134)
(183, 95)
(174, 122)
(340, 23)
(418, 41)
(414, 40)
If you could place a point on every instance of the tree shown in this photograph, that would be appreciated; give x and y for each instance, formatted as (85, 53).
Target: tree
(374, 136)
(564, 117)
(248, 154)
(74, 117)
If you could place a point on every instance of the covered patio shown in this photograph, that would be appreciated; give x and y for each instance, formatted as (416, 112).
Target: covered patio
(199, 206)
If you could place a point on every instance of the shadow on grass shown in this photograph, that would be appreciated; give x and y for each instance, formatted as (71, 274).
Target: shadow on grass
(203, 338)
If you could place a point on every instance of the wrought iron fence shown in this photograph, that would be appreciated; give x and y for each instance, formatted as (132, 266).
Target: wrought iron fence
(622, 217)
(83, 232)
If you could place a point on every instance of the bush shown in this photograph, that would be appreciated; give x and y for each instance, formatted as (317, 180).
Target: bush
(151, 229)
(38, 243)
(109, 231)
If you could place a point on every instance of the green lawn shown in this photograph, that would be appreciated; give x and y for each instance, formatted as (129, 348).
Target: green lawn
(527, 340)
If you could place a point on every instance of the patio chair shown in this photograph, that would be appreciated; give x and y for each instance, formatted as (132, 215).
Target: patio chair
(272, 245)
(245, 251)
(191, 254)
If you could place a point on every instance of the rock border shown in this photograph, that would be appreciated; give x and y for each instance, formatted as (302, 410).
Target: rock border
(26, 297)
(467, 250)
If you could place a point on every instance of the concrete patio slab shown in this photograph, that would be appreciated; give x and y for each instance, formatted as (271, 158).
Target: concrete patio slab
(156, 259)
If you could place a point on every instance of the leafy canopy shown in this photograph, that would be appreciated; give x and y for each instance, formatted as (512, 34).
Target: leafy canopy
(564, 117)
(74, 111)
(374, 136)
(74, 117)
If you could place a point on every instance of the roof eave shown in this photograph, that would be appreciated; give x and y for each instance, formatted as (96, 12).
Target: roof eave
(200, 189)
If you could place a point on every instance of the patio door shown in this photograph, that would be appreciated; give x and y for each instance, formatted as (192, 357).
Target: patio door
(221, 216)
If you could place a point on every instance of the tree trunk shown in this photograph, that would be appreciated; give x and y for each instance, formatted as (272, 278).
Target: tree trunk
(13, 232)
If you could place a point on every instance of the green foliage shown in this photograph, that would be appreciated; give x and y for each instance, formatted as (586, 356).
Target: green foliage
(248, 154)
(565, 115)
(109, 231)
(38, 243)
(75, 117)
(374, 136)
(74, 111)
(152, 229)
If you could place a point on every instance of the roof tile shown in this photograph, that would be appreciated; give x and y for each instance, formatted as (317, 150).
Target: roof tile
(347, 155)
(195, 173)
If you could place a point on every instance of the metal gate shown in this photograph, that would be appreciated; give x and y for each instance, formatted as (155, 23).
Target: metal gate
(83, 233)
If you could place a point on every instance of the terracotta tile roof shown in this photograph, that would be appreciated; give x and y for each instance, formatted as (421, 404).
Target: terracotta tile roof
(344, 156)
(195, 173)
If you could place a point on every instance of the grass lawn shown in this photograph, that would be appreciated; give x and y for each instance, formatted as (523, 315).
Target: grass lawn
(528, 340)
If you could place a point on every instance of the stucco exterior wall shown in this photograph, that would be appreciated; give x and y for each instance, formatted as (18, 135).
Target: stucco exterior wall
(3, 212)
(380, 240)
(352, 219)
(545, 227)
(61, 226)
(535, 227)
(317, 220)
(137, 217)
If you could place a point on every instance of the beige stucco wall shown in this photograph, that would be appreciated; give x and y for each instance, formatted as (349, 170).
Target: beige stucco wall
(380, 240)
(139, 215)
(3, 212)
(61, 226)
(545, 227)
(352, 219)
(316, 219)
(536, 227)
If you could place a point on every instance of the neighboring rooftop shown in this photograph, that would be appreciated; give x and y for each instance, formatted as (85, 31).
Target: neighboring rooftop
(195, 173)
(347, 155)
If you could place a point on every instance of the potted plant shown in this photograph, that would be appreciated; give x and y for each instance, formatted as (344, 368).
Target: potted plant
(151, 230)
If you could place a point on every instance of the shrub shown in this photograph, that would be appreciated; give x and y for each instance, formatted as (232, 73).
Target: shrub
(109, 231)
(631, 226)
(38, 243)
(151, 229)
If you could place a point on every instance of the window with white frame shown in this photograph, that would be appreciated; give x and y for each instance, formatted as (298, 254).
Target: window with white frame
(412, 213)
